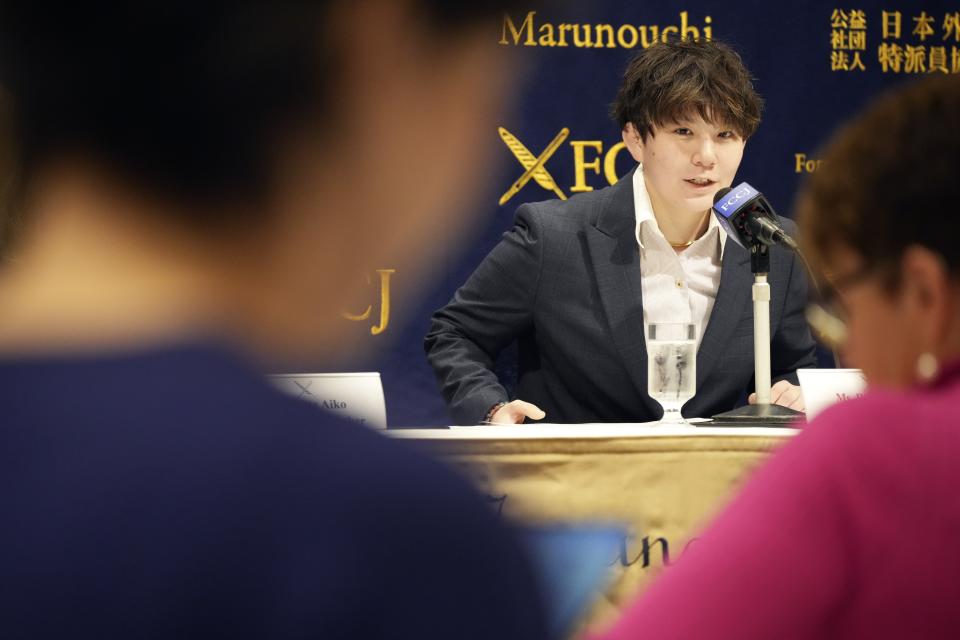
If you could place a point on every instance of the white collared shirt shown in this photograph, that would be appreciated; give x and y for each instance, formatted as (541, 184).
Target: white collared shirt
(676, 287)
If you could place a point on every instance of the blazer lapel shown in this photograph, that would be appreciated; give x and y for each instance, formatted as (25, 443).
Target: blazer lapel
(615, 257)
(733, 296)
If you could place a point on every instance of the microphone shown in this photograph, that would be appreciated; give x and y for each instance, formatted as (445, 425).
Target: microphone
(748, 218)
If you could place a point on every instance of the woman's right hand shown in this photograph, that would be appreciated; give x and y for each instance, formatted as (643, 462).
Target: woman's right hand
(515, 412)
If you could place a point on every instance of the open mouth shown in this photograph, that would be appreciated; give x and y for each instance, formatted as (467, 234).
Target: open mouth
(700, 182)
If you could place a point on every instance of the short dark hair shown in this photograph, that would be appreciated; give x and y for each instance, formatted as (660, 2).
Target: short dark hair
(676, 79)
(888, 180)
(185, 97)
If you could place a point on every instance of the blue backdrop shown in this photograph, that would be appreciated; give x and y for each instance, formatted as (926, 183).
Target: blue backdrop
(815, 63)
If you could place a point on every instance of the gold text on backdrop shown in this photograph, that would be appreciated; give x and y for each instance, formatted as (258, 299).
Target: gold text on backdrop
(384, 304)
(597, 36)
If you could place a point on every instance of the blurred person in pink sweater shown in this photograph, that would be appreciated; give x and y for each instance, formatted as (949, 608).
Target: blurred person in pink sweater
(851, 530)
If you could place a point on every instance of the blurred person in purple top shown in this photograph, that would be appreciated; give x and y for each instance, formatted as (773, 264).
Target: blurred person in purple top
(851, 530)
(202, 186)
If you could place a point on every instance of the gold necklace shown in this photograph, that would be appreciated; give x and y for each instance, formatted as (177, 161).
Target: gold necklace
(682, 245)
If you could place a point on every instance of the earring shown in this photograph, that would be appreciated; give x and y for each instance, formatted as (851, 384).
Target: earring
(927, 367)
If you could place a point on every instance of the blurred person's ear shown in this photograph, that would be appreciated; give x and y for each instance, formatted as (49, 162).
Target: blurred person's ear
(927, 296)
(424, 111)
(390, 182)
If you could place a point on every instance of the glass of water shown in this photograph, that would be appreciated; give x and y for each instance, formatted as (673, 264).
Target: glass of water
(672, 366)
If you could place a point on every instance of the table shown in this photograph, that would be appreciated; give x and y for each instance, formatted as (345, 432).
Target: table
(662, 482)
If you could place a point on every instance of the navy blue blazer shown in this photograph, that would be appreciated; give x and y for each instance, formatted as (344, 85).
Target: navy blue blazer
(565, 284)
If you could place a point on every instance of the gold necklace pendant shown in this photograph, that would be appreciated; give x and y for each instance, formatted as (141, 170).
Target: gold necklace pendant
(683, 245)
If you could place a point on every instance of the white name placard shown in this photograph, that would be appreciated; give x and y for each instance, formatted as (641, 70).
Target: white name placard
(354, 396)
(824, 387)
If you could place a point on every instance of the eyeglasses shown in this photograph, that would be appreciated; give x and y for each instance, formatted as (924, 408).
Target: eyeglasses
(828, 316)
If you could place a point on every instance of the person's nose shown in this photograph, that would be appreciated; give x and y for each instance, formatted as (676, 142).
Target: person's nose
(705, 154)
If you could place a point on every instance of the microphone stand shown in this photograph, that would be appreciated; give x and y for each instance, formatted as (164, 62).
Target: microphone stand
(763, 411)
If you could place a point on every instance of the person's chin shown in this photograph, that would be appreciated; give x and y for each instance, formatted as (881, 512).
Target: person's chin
(697, 205)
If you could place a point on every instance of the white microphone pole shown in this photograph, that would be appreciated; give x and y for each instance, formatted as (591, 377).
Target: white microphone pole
(763, 411)
(761, 337)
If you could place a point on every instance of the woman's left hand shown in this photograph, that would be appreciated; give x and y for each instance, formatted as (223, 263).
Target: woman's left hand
(784, 394)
